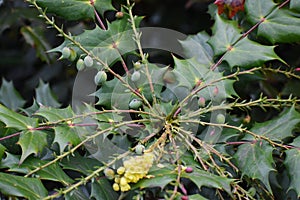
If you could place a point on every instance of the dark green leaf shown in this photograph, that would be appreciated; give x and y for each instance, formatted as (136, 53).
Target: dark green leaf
(278, 128)
(281, 25)
(204, 178)
(66, 136)
(161, 178)
(35, 39)
(295, 5)
(9, 96)
(101, 189)
(74, 10)
(2, 150)
(197, 197)
(292, 164)
(244, 53)
(44, 95)
(54, 114)
(255, 161)
(79, 193)
(15, 120)
(30, 188)
(32, 142)
(197, 46)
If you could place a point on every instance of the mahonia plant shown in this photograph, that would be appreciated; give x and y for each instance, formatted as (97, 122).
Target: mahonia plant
(159, 132)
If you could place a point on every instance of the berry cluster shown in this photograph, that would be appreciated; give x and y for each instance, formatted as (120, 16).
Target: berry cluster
(133, 169)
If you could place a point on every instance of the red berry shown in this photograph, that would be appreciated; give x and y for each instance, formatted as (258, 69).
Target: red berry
(184, 198)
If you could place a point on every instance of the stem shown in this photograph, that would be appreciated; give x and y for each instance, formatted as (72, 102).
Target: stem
(99, 19)
(10, 136)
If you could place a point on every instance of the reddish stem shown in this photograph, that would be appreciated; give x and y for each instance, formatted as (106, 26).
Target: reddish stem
(10, 136)
(98, 17)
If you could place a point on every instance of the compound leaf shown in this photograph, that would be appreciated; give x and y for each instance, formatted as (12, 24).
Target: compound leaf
(255, 161)
(278, 128)
(74, 10)
(281, 25)
(30, 188)
(9, 96)
(32, 142)
(238, 51)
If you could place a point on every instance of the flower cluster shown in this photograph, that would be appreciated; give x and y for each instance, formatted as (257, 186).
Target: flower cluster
(133, 169)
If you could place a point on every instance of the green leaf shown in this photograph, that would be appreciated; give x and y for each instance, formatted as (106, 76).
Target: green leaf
(101, 189)
(108, 44)
(197, 46)
(54, 114)
(204, 178)
(30, 188)
(244, 53)
(35, 39)
(278, 128)
(197, 197)
(44, 95)
(281, 25)
(75, 9)
(295, 5)
(81, 164)
(9, 96)
(161, 178)
(255, 161)
(292, 164)
(15, 120)
(2, 150)
(32, 142)
(79, 193)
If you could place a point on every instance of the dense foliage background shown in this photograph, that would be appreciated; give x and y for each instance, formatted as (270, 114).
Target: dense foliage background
(255, 158)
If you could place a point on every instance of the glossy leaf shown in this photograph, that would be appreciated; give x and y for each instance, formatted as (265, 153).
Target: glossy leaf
(2, 150)
(292, 164)
(256, 161)
(196, 46)
(44, 95)
(32, 142)
(278, 128)
(243, 53)
(282, 25)
(9, 96)
(101, 189)
(35, 39)
(74, 10)
(77, 194)
(203, 178)
(16, 120)
(30, 188)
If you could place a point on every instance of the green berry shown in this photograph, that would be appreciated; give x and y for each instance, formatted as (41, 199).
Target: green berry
(135, 104)
(66, 52)
(220, 119)
(139, 149)
(73, 55)
(137, 65)
(88, 61)
(136, 76)
(100, 77)
(80, 64)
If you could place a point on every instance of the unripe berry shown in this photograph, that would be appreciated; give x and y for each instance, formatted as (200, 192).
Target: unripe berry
(201, 102)
(189, 170)
(136, 76)
(119, 15)
(100, 77)
(220, 119)
(80, 64)
(135, 104)
(88, 61)
(66, 52)
(73, 55)
(139, 149)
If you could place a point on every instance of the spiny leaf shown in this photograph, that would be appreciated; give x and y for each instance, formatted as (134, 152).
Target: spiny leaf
(9, 96)
(44, 95)
(255, 161)
(101, 189)
(295, 5)
(203, 178)
(54, 114)
(281, 25)
(30, 188)
(244, 52)
(74, 10)
(278, 128)
(197, 46)
(16, 120)
(35, 39)
(32, 142)
(292, 164)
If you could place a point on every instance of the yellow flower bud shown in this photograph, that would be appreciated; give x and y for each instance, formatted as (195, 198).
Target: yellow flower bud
(123, 181)
(121, 170)
(116, 187)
